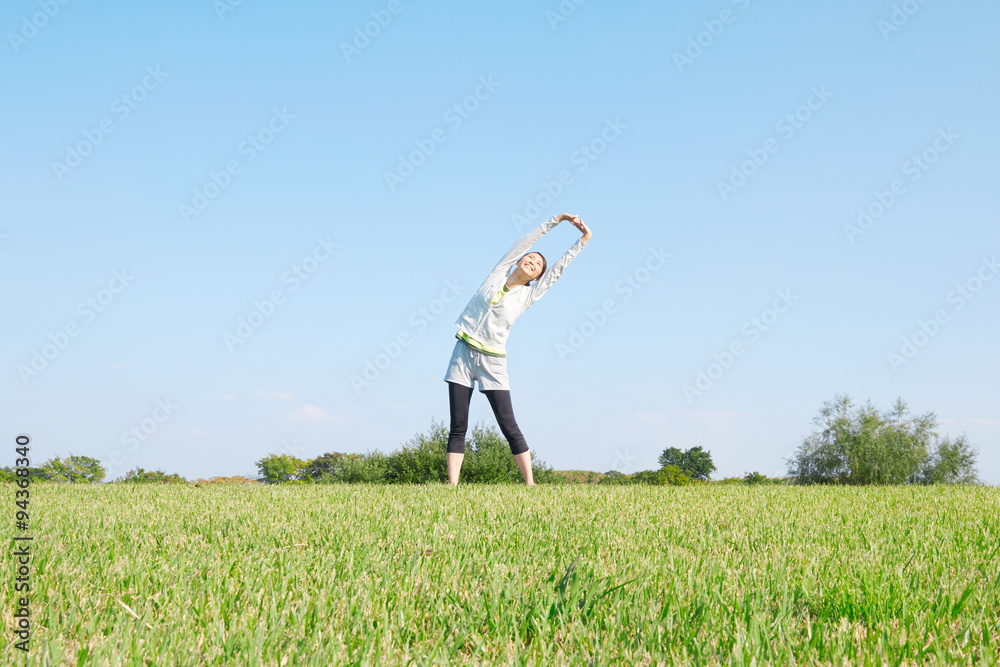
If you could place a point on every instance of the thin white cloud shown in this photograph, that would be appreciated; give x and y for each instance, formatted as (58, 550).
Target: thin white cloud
(702, 415)
(228, 397)
(194, 431)
(274, 395)
(309, 414)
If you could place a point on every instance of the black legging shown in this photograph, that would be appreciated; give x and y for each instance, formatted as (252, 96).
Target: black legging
(459, 397)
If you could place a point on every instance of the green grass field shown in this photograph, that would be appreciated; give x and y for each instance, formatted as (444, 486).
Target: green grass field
(549, 575)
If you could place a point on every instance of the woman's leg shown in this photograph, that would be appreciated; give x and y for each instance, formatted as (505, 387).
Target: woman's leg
(504, 412)
(459, 397)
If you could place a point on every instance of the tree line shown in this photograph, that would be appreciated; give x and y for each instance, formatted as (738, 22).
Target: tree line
(851, 445)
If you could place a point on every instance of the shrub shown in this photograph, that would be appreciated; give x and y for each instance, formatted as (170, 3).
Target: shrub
(140, 476)
(674, 476)
(236, 479)
(488, 458)
(668, 475)
(541, 472)
(576, 477)
(614, 478)
(370, 469)
(420, 460)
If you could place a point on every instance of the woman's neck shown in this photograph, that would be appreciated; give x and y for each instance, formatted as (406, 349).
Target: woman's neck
(515, 280)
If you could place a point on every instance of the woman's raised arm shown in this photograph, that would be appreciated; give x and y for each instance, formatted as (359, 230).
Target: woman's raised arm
(552, 274)
(523, 244)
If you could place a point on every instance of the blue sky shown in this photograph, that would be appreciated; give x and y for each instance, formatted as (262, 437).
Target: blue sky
(180, 165)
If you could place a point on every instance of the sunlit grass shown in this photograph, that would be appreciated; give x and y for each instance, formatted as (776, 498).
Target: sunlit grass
(579, 574)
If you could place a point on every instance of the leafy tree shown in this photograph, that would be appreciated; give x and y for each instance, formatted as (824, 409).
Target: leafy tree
(695, 462)
(951, 463)
(671, 456)
(72, 469)
(140, 476)
(277, 468)
(755, 478)
(331, 463)
(861, 445)
(698, 463)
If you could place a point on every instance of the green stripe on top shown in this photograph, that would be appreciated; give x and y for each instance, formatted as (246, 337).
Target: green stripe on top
(499, 295)
(476, 345)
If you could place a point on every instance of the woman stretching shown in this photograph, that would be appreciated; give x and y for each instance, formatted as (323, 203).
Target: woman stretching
(480, 352)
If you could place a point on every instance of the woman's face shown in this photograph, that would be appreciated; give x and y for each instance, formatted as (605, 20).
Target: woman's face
(531, 264)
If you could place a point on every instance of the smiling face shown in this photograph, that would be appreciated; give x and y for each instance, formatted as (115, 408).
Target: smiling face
(532, 264)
